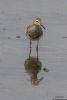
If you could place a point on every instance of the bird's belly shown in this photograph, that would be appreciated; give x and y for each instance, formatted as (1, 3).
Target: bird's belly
(34, 32)
(34, 36)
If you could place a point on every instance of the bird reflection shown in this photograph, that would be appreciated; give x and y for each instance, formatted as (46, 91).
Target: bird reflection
(33, 67)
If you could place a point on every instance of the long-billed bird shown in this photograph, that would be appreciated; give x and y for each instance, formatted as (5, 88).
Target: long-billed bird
(35, 31)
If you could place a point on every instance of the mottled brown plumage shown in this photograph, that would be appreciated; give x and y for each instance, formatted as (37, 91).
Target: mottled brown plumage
(34, 32)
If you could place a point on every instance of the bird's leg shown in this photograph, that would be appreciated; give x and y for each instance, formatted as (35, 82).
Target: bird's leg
(37, 49)
(30, 49)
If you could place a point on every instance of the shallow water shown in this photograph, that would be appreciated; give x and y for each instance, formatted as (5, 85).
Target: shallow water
(14, 17)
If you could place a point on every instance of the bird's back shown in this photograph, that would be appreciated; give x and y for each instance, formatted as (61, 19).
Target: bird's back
(34, 32)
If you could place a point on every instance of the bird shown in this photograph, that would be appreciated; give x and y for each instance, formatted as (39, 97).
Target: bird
(34, 32)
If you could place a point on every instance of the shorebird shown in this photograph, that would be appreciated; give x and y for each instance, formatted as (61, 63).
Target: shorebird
(35, 31)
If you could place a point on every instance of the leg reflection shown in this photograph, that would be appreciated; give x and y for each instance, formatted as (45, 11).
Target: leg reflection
(37, 49)
(30, 49)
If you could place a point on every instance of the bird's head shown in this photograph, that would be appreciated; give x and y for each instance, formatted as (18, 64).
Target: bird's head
(38, 21)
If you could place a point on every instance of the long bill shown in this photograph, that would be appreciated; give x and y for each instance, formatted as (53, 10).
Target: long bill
(43, 26)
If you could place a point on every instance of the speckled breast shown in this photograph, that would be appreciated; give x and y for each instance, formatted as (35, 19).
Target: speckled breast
(34, 32)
